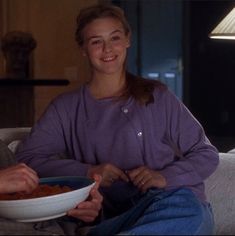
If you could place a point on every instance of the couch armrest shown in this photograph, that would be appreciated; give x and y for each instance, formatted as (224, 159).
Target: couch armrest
(7, 135)
(220, 191)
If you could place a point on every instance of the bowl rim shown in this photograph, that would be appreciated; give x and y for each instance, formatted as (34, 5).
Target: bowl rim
(32, 200)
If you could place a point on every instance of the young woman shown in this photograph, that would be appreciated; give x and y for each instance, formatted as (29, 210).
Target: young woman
(151, 152)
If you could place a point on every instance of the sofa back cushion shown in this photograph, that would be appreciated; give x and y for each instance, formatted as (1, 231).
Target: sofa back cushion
(7, 135)
(6, 156)
(9, 141)
(220, 190)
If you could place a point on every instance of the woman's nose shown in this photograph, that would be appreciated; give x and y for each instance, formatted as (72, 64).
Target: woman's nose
(107, 47)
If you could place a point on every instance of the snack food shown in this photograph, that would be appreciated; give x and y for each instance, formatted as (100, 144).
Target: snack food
(43, 190)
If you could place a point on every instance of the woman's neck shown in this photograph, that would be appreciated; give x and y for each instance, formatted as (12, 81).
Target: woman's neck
(107, 86)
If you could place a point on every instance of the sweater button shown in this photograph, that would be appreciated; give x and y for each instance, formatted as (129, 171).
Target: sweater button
(125, 110)
(140, 134)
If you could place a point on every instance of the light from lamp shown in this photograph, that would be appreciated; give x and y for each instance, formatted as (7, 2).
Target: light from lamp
(226, 28)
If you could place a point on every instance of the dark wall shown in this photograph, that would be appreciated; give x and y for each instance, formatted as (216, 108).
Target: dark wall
(210, 71)
(208, 65)
(156, 50)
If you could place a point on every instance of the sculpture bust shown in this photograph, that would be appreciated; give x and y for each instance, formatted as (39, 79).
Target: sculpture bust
(17, 47)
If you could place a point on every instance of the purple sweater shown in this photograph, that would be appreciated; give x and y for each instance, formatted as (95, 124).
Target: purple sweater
(163, 135)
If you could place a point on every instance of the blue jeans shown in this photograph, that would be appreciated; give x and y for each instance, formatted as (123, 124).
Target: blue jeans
(177, 212)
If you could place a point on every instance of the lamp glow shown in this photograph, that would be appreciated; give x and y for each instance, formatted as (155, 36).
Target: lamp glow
(226, 28)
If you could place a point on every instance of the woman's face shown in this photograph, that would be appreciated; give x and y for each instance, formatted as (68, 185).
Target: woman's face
(105, 45)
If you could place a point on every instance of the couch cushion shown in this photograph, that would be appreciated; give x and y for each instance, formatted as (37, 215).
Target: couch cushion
(232, 150)
(6, 156)
(10, 134)
(14, 145)
(220, 190)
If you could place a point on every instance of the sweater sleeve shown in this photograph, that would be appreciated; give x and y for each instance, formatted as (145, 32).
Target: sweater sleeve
(197, 158)
(49, 139)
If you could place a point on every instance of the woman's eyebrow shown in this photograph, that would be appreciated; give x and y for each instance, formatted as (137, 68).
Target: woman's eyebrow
(100, 36)
(93, 37)
(117, 31)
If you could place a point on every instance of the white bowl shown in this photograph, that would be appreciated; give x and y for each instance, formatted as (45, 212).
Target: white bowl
(50, 207)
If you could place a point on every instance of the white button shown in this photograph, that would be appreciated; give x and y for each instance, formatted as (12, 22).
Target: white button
(140, 134)
(125, 110)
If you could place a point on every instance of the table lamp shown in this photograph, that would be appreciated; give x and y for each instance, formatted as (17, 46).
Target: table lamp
(226, 28)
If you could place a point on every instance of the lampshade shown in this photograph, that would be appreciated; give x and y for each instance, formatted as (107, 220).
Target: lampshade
(226, 28)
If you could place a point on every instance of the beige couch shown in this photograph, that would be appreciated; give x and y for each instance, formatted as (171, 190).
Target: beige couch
(220, 186)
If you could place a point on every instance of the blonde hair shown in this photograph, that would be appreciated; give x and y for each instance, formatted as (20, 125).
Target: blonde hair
(87, 15)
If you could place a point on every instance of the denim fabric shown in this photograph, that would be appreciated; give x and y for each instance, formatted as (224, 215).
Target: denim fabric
(177, 212)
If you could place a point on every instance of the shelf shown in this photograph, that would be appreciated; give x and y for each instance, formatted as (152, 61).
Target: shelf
(33, 82)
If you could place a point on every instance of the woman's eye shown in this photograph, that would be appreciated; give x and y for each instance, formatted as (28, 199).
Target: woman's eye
(115, 38)
(96, 42)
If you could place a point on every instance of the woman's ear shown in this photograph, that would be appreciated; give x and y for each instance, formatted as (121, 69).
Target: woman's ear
(128, 42)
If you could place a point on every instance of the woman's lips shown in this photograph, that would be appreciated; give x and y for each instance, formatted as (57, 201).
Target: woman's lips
(108, 59)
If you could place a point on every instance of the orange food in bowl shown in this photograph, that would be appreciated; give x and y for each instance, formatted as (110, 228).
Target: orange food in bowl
(43, 190)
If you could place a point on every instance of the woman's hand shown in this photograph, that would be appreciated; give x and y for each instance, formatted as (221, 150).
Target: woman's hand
(18, 178)
(145, 178)
(108, 172)
(88, 210)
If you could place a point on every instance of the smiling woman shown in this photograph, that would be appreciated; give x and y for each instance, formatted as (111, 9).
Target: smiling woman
(149, 149)
(105, 45)
(104, 41)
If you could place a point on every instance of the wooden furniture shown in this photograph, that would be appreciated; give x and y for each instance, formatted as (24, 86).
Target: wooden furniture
(17, 100)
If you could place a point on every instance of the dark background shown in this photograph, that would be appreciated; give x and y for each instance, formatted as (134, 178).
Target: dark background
(210, 71)
(166, 30)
